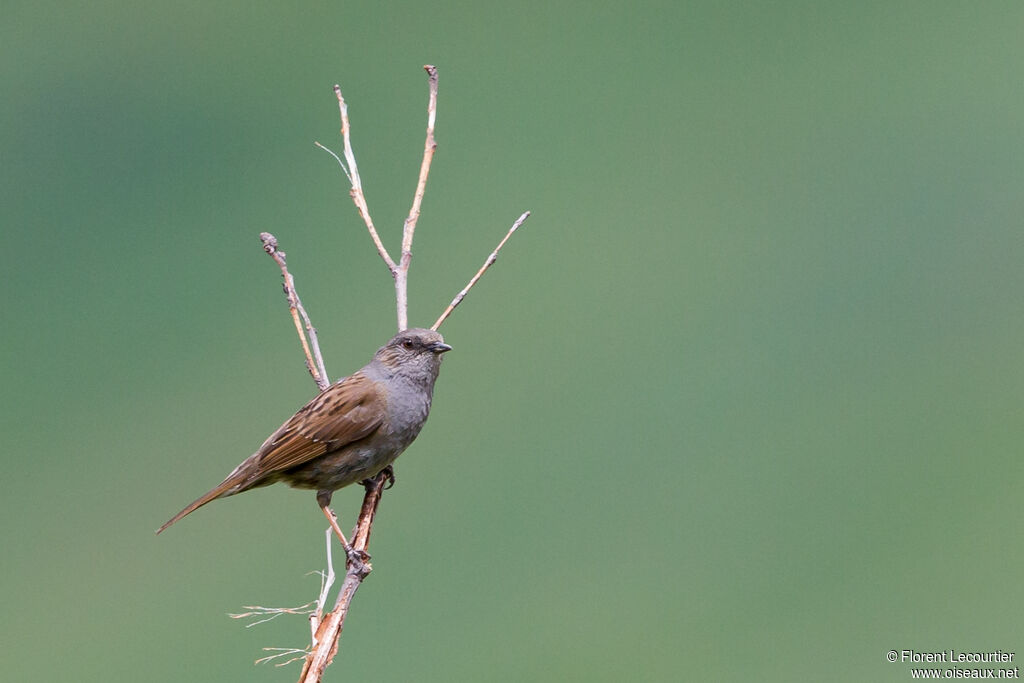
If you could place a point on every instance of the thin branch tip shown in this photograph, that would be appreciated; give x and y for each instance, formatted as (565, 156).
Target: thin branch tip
(401, 274)
(488, 262)
(303, 326)
(351, 170)
(326, 624)
(519, 221)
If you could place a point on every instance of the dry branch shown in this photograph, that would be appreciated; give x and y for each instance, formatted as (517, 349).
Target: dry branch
(399, 271)
(402, 276)
(483, 269)
(311, 348)
(325, 640)
(326, 628)
(358, 197)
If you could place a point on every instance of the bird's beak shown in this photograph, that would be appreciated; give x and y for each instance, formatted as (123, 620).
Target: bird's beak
(440, 347)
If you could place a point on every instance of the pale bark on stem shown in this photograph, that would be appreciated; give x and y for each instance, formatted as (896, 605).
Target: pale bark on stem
(327, 627)
(314, 361)
(399, 271)
(325, 640)
(487, 264)
(409, 227)
(326, 582)
(357, 185)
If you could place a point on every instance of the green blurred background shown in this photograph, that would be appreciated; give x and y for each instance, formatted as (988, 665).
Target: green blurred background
(742, 401)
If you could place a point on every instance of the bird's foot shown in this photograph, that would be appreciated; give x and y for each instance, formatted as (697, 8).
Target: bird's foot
(388, 473)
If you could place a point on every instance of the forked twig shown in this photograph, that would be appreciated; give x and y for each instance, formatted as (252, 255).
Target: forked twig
(399, 271)
(282, 652)
(487, 264)
(358, 197)
(265, 614)
(325, 640)
(336, 158)
(326, 628)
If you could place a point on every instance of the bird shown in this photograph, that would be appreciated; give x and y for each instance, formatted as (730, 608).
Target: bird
(350, 432)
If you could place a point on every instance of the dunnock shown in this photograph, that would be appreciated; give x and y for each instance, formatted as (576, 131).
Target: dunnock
(351, 431)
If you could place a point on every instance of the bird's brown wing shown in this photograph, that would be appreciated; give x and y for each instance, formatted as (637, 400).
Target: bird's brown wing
(346, 411)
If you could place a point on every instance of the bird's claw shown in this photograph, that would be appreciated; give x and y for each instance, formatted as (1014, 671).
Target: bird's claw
(388, 473)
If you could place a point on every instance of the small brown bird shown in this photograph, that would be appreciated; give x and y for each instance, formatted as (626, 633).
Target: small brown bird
(351, 431)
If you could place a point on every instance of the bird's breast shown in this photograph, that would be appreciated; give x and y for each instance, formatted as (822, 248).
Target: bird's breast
(408, 406)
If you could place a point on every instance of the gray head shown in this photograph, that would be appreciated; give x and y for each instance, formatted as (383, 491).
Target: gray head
(415, 352)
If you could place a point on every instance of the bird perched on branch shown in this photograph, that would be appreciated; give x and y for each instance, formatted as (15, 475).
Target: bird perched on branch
(351, 431)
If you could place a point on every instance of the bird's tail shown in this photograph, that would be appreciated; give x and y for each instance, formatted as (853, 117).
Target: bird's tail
(199, 502)
(241, 479)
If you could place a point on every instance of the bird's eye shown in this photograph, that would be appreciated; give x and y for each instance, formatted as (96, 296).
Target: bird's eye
(407, 343)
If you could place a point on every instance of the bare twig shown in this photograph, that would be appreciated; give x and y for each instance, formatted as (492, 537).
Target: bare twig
(409, 228)
(265, 614)
(326, 627)
(357, 185)
(315, 609)
(316, 367)
(325, 640)
(336, 158)
(282, 652)
(326, 582)
(399, 271)
(487, 264)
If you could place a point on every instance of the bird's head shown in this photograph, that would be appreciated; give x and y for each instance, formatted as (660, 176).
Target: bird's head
(415, 352)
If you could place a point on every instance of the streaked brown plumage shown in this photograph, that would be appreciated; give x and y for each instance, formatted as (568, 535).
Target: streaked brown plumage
(350, 431)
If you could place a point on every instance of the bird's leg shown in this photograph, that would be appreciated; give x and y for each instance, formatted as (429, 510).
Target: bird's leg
(323, 499)
(357, 558)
